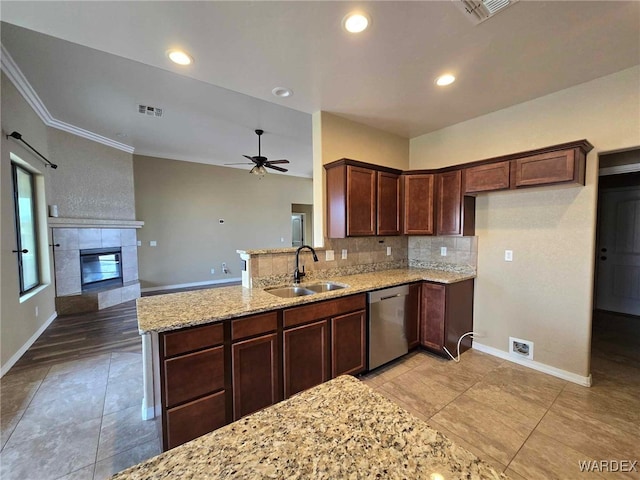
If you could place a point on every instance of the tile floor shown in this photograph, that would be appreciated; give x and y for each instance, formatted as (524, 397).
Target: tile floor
(77, 420)
(81, 419)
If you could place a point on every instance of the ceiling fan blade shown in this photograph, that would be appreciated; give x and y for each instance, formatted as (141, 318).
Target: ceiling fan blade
(253, 159)
(280, 169)
(243, 163)
(273, 162)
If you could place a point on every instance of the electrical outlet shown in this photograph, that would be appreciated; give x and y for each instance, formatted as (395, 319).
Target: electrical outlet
(213, 271)
(344, 254)
(521, 348)
(329, 256)
(388, 251)
(443, 251)
(153, 243)
(508, 255)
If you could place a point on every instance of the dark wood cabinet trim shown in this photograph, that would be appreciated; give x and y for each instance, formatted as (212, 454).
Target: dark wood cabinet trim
(357, 163)
(192, 339)
(254, 325)
(307, 313)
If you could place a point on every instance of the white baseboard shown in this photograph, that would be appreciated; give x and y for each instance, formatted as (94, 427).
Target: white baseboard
(16, 356)
(541, 367)
(148, 413)
(193, 284)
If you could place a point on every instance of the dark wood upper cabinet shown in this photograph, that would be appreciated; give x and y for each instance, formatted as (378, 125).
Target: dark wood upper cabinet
(418, 204)
(388, 204)
(362, 199)
(455, 213)
(486, 178)
(565, 166)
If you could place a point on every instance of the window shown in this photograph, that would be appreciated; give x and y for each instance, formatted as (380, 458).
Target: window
(26, 228)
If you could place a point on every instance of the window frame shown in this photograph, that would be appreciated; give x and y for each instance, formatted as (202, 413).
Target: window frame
(18, 229)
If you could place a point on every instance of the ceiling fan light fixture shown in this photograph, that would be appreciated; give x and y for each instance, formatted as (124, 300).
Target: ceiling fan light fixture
(180, 57)
(258, 170)
(282, 92)
(356, 22)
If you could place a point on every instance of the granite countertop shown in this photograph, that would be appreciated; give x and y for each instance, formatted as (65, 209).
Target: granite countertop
(172, 311)
(340, 429)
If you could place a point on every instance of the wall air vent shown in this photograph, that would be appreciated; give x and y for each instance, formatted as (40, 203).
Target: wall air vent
(480, 10)
(151, 111)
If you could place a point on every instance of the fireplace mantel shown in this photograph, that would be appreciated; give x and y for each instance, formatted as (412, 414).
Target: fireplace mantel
(59, 222)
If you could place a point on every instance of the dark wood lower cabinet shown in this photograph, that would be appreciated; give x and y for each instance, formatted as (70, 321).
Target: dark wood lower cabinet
(446, 314)
(306, 357)
(348, 344)
(255, 374)
(193, 419)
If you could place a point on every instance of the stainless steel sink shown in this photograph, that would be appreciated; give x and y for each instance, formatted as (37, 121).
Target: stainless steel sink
(301, 291)
(289, 292)
(325, 287)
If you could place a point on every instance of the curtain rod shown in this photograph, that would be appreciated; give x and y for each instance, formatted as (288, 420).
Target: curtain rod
(18, 136)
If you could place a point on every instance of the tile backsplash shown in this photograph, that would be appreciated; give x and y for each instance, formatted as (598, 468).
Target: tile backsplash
(462, 253)
(364, 254)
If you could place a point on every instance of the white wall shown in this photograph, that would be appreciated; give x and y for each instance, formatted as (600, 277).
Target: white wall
(545, 294)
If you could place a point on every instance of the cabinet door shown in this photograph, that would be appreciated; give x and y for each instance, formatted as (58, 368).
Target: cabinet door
(388, 204)
(193, 419)
(412, 325)
(306, 357)
(255, 374)
(348, 344)
(433, 316)
(545, 169)
(449, 203)
(418, 204)
(361, 201)
(486, 178)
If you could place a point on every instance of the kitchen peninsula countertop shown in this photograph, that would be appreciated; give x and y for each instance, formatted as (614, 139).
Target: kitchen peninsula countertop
(172, 311)
(340, 429)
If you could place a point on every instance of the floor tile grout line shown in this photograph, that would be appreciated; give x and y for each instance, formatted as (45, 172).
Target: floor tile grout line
(538, 424)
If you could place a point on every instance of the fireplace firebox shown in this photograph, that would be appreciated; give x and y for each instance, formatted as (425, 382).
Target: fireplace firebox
(100, 268)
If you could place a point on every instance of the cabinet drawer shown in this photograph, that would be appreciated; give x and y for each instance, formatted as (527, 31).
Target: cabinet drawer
(193, 419)
(193, 375)
(193, 339)
(254, 325)
(316, 311)
(486, 178)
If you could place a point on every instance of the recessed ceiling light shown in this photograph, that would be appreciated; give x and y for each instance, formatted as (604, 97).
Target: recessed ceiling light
(356, 22)
(444, 80)
(180, 57)
(282, 92)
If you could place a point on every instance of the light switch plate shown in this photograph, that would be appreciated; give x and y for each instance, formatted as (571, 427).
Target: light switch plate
(388, 251)
(508, 255)
(139, 243)
(329, 255)
(443, 251)
(344, 254)
(153, 243)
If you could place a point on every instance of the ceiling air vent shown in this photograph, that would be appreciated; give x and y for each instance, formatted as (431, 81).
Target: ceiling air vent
(480, 10)
(151, 111)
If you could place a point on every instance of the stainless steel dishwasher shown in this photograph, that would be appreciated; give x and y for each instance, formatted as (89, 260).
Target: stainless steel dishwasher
(387, 334)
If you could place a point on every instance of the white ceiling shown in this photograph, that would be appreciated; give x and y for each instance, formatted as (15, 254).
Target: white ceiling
(108, 56)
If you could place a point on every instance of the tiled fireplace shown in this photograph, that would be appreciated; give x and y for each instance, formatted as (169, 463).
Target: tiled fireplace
(119, 283)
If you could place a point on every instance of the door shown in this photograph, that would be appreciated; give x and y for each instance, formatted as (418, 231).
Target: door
(306, 357)
(618, 278)
(348, 344)
(297, 229)
(388, 204)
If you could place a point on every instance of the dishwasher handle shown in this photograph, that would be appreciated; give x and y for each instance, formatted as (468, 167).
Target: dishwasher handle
(392, 296)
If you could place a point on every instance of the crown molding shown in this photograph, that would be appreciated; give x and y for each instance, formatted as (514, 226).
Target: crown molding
(13, 72)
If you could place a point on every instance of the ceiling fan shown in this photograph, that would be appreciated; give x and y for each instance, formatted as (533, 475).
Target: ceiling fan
(260, 162)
